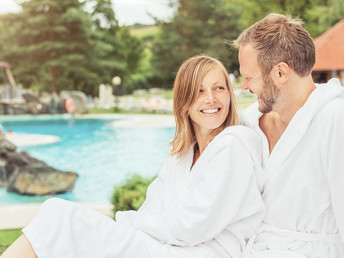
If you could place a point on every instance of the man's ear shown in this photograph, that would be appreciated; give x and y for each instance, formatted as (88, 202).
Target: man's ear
(280, 72)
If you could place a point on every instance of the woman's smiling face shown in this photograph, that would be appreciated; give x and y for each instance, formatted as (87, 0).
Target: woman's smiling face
(211, 108)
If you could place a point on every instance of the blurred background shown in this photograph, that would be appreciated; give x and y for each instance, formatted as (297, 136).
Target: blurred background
(53, 46)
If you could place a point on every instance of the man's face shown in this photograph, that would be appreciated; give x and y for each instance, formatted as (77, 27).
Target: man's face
(253, 80)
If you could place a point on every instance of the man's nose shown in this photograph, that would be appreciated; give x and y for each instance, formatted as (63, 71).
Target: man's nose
(244, 85)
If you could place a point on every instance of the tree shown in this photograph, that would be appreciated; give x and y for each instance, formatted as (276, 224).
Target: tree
(197, 27)
(323, 15)
(58, 43)
(49, 43)
(319, 15)
(119, 53)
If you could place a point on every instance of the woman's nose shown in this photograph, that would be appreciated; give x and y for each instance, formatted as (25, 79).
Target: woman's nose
(210, 97)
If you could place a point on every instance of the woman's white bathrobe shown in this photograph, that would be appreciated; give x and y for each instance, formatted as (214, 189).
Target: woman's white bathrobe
(209, 211)
(304, 186)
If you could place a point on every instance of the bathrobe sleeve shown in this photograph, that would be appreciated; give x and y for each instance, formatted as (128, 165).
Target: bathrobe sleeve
(227, 193)
(223, 192)
(155, 192)
(334, 152)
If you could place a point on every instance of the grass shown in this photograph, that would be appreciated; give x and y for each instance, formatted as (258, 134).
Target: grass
(95, 110)
(7, 237)
(145, 31)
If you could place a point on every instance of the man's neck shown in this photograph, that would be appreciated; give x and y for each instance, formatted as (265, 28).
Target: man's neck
(273, 127)
(293, 98)
(273, 124)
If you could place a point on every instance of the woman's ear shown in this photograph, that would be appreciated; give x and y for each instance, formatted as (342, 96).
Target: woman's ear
(280, 72)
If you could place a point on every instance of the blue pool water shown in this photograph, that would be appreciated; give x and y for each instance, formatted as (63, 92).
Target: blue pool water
(101, 154)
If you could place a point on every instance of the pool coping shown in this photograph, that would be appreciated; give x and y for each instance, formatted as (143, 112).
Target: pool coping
(119, 121)
(17, 216)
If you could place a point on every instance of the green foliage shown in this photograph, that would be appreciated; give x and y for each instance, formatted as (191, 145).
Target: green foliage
(322, 15)
(57, 45)
(319, 15)
(48, 44)
(197, 27)
(131, 194)
(119, 52)
(145, 31)
(7, 237)
(140, 79)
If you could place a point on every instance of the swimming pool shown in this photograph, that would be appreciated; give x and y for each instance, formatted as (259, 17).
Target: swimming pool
(100, 153)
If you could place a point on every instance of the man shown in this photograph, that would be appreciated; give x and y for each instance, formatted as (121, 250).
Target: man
(302, 131)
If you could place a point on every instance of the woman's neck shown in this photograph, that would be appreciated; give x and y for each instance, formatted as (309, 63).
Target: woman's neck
(203, 138)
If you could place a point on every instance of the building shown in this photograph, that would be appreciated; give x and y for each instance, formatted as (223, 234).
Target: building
(329, 50)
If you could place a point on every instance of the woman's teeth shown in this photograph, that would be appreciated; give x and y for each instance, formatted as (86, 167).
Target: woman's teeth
(210, 111)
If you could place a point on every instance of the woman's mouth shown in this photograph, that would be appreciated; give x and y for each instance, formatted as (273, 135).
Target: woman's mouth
(210, 111)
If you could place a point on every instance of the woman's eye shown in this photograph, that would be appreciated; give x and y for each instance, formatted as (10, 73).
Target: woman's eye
(201, 91)
(220, 88)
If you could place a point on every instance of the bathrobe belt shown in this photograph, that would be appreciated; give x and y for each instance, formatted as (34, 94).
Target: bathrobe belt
(294, 235)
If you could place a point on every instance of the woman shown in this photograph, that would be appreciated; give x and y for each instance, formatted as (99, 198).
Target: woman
(204, 203)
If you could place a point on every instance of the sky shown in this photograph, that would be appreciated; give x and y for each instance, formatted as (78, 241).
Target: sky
(127, 12)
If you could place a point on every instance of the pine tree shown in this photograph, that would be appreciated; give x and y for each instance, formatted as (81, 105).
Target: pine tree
(119, 53)
(49, 43)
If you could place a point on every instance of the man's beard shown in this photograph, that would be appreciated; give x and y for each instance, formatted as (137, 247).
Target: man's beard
(268, 96)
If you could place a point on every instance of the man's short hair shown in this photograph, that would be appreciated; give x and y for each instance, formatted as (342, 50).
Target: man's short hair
(280, 38)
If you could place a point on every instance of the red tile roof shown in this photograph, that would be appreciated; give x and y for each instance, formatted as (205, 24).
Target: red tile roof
(329, 49)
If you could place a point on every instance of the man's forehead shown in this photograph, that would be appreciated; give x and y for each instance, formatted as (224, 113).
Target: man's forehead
(247, 58)
(247, 51)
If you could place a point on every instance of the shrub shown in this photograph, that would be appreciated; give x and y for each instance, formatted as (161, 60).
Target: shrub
(131, 194)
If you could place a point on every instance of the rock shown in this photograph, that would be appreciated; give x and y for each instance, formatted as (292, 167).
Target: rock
(2, 133)
(40, 179)
(61, 105)
(49, 103)
(33, 105)
(30, 97)
(23, 174)
(80, 102)
(20, 158)
(6, 146)
(79, 98)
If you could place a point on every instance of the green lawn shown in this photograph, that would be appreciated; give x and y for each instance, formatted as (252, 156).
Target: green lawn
(96, 110)
(7, 237)
(145, 31)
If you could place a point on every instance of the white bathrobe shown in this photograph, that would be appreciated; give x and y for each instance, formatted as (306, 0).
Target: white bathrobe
(208, 211)
(303, 187)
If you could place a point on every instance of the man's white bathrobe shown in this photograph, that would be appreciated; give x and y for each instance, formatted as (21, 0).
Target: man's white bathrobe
(303, 188)
(208, 211)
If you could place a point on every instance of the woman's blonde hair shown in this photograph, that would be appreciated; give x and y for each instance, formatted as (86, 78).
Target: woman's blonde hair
(185, 92)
